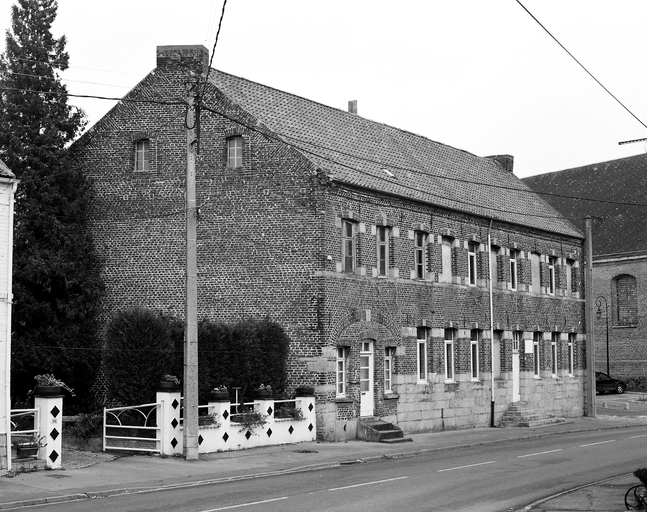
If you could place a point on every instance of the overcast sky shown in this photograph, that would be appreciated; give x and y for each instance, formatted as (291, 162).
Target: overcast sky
(479, 75)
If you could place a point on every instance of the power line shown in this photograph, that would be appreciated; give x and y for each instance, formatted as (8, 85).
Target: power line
(69, 80)
(581, 65)
(213, 51)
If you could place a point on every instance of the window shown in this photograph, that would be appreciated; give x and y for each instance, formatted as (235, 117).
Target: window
(571, 345)
(422, 353)
(496, 350)
(449, 354)
(536, 276)
(535, 353)
(625, 312)
(235, 152)
(388, 368)
(551, 274)
(474, 353)
(341, 371)
(348, 246)
(446, 249)
(494, 277)
(514, 254)
(420, 254)
(471, 262)
(554, 341)
(516, 340)
(569, 278)
(142, 155)
(382, 242)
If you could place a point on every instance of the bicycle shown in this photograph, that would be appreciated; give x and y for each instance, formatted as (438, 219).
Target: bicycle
(636, 496)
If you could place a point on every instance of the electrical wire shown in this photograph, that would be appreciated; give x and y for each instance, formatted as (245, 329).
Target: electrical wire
(213, 51)
(67, 80)
(581, 65)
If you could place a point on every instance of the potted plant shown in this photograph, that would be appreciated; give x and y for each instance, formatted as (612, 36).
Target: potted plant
(169, 383)
(48, 385)
(249, 421)
(220, 393)
(208, 420)
(289, 411)
(27, 447)
(305, 391)
(263, 391)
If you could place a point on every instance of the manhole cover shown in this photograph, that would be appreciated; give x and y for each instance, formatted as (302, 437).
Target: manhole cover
(305, 451)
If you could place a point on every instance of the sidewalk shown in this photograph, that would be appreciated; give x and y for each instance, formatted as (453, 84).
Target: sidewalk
(88, 474)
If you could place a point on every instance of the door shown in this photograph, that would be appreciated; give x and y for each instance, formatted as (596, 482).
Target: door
(366, 378)
(515, 367)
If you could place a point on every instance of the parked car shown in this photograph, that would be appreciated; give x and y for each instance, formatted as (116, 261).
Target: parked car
(604, 383)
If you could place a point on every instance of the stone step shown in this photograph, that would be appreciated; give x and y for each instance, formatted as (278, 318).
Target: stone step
(397, 440)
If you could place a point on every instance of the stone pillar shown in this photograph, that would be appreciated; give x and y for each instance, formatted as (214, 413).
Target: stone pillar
(307, 404)
(50, 425)
(168, 419)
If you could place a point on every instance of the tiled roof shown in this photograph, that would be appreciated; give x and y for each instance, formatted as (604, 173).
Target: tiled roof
(355, 150)
(617, 181)
(5, 172)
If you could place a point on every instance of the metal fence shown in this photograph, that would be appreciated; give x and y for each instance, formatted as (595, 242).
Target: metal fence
(132, 428)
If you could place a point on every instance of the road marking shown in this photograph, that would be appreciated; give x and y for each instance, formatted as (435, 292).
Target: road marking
(634, 437)
(468, 466)
(538, 453)
(245, 504)
(368, 483)
(593, 444)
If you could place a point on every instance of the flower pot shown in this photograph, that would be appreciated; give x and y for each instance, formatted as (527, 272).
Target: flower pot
(26, 451)
(168, 386)
(220, 396)
(48, 390)
(263, 393)
(305, 391)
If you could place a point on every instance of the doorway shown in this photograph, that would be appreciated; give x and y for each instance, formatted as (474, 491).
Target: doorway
(516, 338)
(366, 378)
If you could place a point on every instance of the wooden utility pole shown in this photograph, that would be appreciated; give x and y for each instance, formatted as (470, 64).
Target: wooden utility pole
(191, 313)
(590, 337)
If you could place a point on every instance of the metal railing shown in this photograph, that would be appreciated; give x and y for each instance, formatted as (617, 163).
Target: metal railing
(133, 428)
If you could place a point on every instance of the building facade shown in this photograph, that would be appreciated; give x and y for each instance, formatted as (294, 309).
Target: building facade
(614, 193)
(373, 247)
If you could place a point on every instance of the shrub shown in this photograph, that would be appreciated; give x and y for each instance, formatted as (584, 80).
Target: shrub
(87, 425)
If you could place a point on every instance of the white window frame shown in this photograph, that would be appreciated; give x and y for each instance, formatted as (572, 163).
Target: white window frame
(571, 354)
(341, 372)
(142, 155)
(536, 355)
(494, 267)
(446, 256)
(449, 355)
(348, 246)
(420, 254)
(535, 274)
(514, 273)
(553, 353)
(569, 278)
(551, 275)
(496, 350)
(422, 335)
(388, 369)
(382, 240)
(235, 152)
(472, 272)
(475, 335)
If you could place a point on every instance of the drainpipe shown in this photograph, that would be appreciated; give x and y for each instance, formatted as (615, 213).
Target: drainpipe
(489, 250)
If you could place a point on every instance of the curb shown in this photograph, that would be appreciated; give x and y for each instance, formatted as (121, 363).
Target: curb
(311, 467)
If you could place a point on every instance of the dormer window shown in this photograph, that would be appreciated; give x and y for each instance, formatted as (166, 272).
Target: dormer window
(142, 155)
(235, 152)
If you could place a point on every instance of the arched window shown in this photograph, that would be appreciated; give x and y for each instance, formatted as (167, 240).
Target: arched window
(625, 307)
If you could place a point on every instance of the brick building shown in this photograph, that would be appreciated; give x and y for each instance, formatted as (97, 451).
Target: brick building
(367, 243)
(619, 252)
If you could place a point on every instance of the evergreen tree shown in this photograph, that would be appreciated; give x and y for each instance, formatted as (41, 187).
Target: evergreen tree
(56, 272)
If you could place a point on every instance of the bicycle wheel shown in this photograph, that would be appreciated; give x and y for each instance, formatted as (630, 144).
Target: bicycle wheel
(636, 498)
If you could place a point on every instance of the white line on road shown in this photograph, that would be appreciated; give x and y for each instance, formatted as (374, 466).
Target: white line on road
(468, 466)
(538, 453)
(634, 437)
(245, 504)
(368, 483)
(593, 444)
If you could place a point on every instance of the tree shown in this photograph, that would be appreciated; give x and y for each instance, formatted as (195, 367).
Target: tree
(56, 278)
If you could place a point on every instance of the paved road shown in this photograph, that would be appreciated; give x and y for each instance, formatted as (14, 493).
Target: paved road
(633, 402)
(487, 478)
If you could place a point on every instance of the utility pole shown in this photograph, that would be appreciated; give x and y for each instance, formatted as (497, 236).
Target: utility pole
(191, 313)
(590, 337)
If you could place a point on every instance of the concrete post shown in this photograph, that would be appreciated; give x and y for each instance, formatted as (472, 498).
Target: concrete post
(169, 422)
(50, 425)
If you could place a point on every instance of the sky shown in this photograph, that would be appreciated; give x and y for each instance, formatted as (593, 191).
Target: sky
(481, 76)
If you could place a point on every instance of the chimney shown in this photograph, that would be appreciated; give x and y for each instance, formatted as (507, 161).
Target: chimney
(505, 162)
(352, 106)
(194, 58)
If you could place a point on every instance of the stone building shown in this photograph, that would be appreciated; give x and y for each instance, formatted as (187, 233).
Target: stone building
(616, 200)
(367, 243)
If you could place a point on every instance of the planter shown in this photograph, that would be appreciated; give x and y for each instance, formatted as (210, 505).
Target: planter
(220, 396)
(26, 451)
(263, 393)
(168, 386)
(48, 390)
(305, 391)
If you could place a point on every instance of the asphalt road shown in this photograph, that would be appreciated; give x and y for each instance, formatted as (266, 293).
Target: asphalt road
(492, 478)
